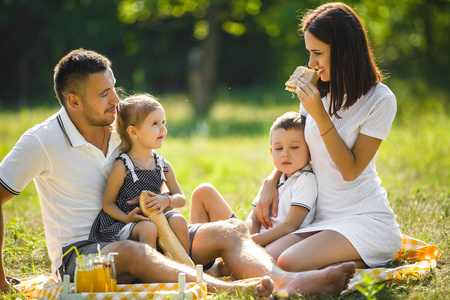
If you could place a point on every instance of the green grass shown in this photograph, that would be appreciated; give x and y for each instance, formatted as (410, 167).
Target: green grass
(230, 150)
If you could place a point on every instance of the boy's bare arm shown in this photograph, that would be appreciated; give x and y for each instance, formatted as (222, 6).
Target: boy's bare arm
(293, 222)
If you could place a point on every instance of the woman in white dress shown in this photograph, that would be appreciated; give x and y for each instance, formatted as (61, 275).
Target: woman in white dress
(348, 115)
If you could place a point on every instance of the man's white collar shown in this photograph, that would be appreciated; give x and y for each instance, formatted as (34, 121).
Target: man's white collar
(71, 132)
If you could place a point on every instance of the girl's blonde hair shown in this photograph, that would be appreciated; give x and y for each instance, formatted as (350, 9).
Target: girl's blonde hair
(132, 111)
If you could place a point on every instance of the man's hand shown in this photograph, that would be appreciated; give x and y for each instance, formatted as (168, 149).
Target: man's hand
(6, 288)
(134, 216)
(133, 201)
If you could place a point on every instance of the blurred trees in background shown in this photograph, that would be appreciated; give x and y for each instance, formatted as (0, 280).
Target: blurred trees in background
(198, 46)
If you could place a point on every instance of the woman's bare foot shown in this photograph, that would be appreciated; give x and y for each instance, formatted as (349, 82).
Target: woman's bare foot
(348, 277)
(330, 281)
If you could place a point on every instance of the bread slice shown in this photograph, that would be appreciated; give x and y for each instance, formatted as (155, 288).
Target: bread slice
(301, 72)
(167, 239)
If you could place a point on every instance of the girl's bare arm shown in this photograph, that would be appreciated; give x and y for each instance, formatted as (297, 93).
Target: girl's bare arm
(176, 195)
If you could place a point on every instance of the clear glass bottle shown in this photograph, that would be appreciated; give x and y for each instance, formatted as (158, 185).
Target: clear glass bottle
(83, 275)
(111, 275)
(99, 274)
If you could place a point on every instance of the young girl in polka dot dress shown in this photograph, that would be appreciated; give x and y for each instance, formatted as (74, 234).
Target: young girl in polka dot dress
(141, 124)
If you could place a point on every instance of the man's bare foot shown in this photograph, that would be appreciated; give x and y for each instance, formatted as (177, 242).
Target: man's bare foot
(261, 288)
(264, 289)
(330, 281)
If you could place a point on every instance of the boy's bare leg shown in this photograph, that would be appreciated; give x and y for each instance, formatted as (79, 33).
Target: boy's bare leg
(245, 259)
(207, 205)
(137, 260)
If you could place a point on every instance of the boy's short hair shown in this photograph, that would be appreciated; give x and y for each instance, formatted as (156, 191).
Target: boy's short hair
(72, 71)
(289, 120)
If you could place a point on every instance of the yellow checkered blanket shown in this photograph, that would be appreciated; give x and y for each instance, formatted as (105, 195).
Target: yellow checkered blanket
(45, 288)
(419, 256)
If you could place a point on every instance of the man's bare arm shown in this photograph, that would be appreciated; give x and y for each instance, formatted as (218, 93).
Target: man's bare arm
(5, 196)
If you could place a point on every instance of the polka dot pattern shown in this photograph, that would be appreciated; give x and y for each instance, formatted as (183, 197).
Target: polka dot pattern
(357, 209)
(105, 228)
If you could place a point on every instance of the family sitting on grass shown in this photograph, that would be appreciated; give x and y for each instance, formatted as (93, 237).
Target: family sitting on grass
(310, 226)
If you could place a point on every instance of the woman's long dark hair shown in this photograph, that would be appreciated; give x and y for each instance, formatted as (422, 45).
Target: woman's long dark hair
(353, 70)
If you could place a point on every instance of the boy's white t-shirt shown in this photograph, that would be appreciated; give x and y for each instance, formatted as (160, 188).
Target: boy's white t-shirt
(298, 190)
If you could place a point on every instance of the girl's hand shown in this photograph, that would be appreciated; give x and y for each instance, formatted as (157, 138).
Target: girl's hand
(157, 202)
(309, 96)
(133, 216)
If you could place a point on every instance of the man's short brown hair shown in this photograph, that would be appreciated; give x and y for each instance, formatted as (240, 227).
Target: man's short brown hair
(72, 71)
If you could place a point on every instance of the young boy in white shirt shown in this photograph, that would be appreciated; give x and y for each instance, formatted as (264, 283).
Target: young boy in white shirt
(297, 191)
(297, 187)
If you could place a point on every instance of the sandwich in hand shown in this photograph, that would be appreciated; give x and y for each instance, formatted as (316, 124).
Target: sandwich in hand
(301, 72)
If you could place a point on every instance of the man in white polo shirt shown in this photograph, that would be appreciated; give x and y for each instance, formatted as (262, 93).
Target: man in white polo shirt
(69, 157)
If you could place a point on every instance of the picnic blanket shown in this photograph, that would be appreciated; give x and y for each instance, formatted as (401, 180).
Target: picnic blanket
(419, 257)
(46, 288)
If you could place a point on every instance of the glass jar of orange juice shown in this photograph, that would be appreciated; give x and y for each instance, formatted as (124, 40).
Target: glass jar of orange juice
(111, 276)
(83, 275)
(99, 274)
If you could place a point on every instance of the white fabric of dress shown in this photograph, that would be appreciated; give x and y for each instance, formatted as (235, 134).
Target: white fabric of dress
(357, 209)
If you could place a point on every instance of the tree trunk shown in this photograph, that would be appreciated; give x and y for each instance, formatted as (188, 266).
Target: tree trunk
(203, 67)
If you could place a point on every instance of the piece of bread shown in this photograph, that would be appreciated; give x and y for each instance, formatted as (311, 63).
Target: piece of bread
(308, 74)
(167, 239)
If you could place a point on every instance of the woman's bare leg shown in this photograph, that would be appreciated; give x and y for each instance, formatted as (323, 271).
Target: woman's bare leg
(318, 251)
(359, 263)
(207, 205)
(279, 246)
